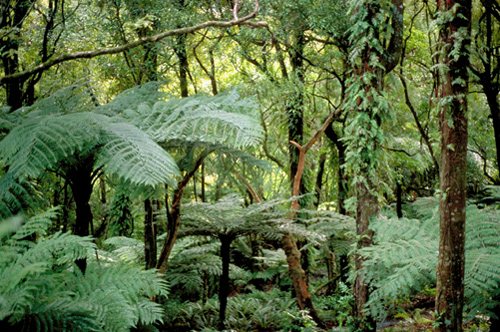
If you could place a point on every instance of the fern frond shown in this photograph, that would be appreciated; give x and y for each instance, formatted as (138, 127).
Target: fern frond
(40, 143)
(57, 315)
(147, 93)
(129, 153)
(40, 288)
(124, 150)
(126, 248)
(201, 119)
(15, 195)
(71, 99)
(404, 259)
(37, 224)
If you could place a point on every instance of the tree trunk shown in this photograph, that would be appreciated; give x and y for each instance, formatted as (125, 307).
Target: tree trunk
(366, 210)
(295, 105)
(333, 271)
(149, 236)
(80, 181)
(491, 97)
(295, 134)
(180, 51)
(453, 122)
(341, 174)
(298, 277)
(174, 216)
(225, 252)
(319, 178)
(342, 180)
(487, 79)
(399, 199)
(364, 147)
(13, 16)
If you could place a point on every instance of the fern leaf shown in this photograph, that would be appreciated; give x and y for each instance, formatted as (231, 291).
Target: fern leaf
(71, 99)
(37, 224)
(200, 119)
(129, 153)
(15, 195)
(40, 143)
(148, 93)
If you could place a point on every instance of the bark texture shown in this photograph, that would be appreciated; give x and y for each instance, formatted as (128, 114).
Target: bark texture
(453, 122)
(366, 210)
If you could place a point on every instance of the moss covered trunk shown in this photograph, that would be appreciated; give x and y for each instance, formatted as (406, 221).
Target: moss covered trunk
(298, 277)
(453, 121)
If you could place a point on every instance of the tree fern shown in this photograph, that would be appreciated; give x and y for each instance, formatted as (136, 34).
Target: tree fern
(130, 99)
(404, 258)
(129, 153)
(53, 136)
(220, 119)
(44, 143)
(41, 290)
(75, 98)
(15, 195)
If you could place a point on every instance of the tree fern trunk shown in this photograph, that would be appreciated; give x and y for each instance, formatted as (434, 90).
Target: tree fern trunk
(80, 180)
(149, 236)
(225, 253)
(453, 122)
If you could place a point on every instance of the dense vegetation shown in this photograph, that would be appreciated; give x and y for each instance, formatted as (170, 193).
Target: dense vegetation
(249, 166)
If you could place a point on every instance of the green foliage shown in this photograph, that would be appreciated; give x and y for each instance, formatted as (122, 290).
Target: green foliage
(148, 93)
(256, 311)
(269, 219)
(49, 142)
(224, 118)
(42, 290)
(120, 214)
(338, 307)
(15, 195)
(193, 260)
(126, 249)
(404, 258)
(365, 138)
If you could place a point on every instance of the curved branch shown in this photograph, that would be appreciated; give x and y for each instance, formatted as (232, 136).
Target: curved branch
(146, 40)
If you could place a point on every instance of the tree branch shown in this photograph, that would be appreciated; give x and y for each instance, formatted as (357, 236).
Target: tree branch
(150, 39)
(302, 156)
(417, 122)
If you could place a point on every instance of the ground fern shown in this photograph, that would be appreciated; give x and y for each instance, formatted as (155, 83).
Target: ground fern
(42, 290)
(404, 257)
